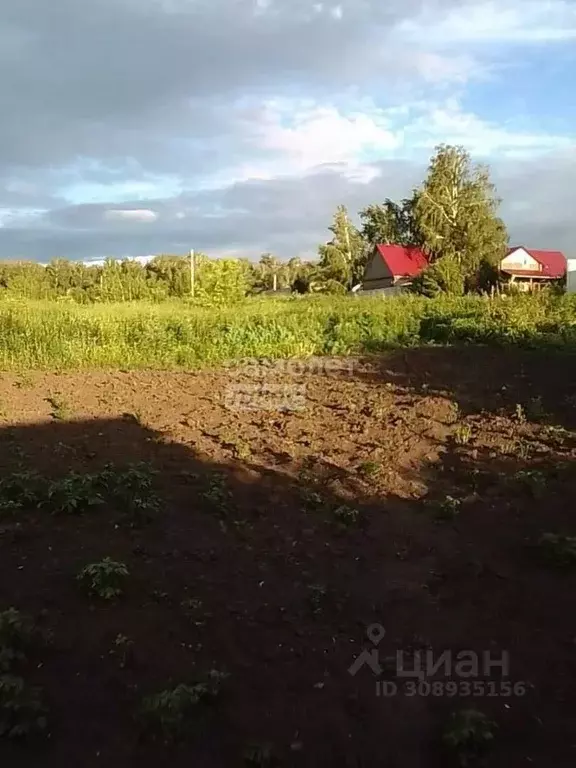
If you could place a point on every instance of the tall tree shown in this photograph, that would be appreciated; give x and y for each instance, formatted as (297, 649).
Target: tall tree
(343, 258)
(271, 268)
(456, 212)
(391, 223)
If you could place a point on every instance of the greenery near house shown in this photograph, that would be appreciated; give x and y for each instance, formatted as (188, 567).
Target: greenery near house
(48, 335)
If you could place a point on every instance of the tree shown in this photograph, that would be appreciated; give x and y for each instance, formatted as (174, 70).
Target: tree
(456, 213)
(271, 270)
(174, 271)
(221, 281)
(443, 276)
(302, 275)
(343, 258)
(391, 223)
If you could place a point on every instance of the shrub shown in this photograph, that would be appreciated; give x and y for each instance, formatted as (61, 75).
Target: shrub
(558, 549)
(444, 276)
(469, 734)
(103, 579)
(173, 712)
(17, 634)
(21, 710)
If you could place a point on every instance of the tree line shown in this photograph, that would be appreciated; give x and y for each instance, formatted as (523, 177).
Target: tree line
(452, 217)
(163, 277)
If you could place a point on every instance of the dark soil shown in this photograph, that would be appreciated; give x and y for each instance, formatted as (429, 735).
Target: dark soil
(277, 588)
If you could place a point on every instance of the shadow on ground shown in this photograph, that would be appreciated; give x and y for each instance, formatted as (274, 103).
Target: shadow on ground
(272, 572)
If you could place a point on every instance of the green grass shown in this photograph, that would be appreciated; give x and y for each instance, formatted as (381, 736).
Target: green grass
(50, 335)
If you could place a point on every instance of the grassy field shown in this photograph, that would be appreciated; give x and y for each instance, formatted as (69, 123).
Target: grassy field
(139, 335)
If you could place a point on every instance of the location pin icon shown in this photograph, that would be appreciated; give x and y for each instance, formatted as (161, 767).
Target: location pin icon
(375, 633)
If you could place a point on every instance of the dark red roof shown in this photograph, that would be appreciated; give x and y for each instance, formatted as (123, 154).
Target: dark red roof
(403, 261)
(553, 262)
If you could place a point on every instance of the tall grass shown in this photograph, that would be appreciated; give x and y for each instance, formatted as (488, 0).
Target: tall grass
(49, 335)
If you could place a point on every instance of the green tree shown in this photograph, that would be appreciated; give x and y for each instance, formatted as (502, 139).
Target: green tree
(174, 271)
(343, 258)
(220, 281)
(304, 276)
(444, 276)
(270, 272)
(391, 223)
(456, 213)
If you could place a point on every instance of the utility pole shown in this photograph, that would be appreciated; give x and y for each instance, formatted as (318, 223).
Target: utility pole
(349, 252)
(347, 232)
(192, 273)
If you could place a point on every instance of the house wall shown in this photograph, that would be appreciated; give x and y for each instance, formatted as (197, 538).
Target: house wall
(520, 259)
(571, 276)
(376, 274)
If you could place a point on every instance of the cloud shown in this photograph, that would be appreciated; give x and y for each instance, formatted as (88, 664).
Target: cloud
(241, 125)
(506, 21)
(135, 214)
(448, 123)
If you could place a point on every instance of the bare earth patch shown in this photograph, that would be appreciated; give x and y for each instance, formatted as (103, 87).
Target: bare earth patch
(409, 492)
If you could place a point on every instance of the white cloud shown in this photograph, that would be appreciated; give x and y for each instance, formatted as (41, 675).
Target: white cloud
(142, 214)
(507, 21)
(448, 123)
(301, 136)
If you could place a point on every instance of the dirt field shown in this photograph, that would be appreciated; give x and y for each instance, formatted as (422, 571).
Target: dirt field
(410, 492)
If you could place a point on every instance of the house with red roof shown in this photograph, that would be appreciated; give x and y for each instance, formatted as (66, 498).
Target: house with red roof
(529, 268)
(397, 265)
(393, 265)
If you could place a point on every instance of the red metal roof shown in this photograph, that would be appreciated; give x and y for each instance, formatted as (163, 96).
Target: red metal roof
(553, 262)
(403, 261)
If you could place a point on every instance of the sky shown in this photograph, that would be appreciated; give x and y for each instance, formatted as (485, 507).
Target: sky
(235, 127)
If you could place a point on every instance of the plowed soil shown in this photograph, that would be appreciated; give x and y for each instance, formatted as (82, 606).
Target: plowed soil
(300, 506)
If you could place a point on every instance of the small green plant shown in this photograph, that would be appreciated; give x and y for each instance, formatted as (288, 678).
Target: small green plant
(18, 634)
(558, 550)
(123, 650)
(240, 449)
(346, 517)
(535, 408)
(136, 417)
(21, 710)
(462, 434)
(369, 469)
(260, 756)
(131, 490)
(469, 734)
(317, 594)
(312, 500)
(174, 712)
(21, 490)
(61, 410)
(519, 413)
(454, 414)
(192, 610)
(24, 382)
(446, 510)
(103, 579)
(72, 494)
(217, 494)
(533, 480)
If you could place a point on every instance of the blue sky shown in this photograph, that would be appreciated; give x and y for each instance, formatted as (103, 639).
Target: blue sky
(236, 127)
